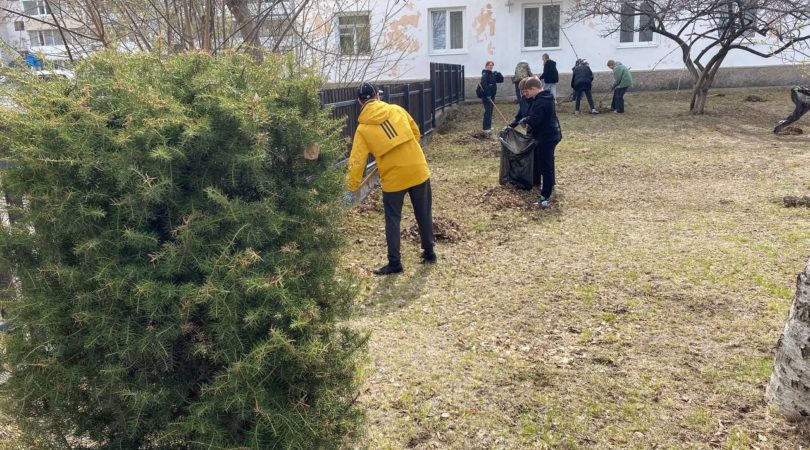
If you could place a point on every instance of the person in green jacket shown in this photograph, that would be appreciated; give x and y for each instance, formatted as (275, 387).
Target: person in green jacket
(622, 81)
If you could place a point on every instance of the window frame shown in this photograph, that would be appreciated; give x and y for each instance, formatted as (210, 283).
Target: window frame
(540, 15)
(41, 6)
(41, 40)
(726, 16)
(448, 38)
(355, 53)
(636, 43)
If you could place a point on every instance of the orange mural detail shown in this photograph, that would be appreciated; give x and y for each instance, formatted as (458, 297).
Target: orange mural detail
(485, 21)
(399, 36)
(491, 49)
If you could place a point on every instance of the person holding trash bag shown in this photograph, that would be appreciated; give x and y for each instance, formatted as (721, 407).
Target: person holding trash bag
(390, 134)
(517, 155)
(544, 127)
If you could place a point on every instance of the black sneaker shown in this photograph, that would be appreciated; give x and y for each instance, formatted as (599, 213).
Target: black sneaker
(429, 257)
(388, 269)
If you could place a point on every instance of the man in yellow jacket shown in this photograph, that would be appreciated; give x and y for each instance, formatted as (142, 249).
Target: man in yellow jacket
(390, 134)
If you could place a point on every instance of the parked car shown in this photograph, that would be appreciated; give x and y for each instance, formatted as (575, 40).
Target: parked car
(56, 73)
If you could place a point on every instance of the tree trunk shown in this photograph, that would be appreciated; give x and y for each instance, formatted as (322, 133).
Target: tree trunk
(789, 388)
(247, 25)
(700, 93)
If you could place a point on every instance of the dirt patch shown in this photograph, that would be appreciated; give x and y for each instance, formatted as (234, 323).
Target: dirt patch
(754, 98)
(465, 139)
(444, 230)
(373, 203)
(450, 123)
(790, 131)
(488, 149)
(483, 136)
(503, 197)
(793, 201)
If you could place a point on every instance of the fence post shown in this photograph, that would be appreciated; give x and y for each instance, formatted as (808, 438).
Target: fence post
(422, 108)
(463, 84)
(408, 99)
(432, 97)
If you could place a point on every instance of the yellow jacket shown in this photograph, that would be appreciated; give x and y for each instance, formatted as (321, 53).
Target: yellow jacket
(389, 133)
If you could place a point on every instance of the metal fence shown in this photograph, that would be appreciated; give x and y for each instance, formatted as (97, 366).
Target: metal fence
(422, 99)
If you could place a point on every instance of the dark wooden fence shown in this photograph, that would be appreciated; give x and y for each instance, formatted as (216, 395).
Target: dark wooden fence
(422, 99)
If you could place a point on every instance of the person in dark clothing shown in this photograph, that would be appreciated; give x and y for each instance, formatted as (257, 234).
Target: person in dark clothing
(523, 108)
(581, 82)
(544, 127)
(488, 88)
(550, 75)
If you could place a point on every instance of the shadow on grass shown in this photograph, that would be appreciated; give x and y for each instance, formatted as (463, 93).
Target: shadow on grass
(394, 292)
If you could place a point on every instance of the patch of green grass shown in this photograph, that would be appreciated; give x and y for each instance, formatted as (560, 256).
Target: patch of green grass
(700, 420)
(779, 291)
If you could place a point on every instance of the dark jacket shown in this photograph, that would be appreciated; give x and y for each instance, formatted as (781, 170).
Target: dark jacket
(550, 74)
(488, 83)
(523, 111)
(542, 119)
(582, 77)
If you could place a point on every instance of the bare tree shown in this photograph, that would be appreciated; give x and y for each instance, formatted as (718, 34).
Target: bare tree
(340, 38)
(706, 31)
(789, 388)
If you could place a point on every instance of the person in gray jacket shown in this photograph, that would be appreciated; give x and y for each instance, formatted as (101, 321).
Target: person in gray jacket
(522, 71)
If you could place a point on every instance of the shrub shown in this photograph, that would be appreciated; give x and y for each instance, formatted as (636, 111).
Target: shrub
(176, 258)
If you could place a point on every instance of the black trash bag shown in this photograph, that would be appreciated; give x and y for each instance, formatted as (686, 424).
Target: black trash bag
(517, 159)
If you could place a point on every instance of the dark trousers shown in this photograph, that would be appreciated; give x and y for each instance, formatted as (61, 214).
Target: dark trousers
(544, 162)
(578, 97)
(488, 105)
(422, 201)
(618, 99)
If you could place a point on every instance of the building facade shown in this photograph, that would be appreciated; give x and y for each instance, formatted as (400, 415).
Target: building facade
(353, 40)
(507, 31)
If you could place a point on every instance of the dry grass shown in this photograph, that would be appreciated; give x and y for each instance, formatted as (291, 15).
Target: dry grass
(641, 311)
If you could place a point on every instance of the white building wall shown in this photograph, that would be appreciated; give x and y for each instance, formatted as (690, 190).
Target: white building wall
(493, 30)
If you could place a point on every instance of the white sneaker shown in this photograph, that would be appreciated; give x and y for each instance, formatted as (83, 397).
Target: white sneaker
(542, 202)
(593, 111)
(576, 113)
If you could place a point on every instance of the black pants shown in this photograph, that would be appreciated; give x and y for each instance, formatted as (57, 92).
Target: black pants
(618, 100)
(488, 106)
(578, 97)
(544, 162)
(422, 201)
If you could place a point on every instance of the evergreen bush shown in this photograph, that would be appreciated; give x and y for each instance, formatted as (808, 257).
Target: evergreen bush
(176, 258)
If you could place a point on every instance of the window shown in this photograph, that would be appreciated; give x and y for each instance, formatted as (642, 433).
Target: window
(541, 26)
(35, 8)
(745, 20)
(277, 30)
(19, 26)
(635, 24)
(355, 34)
(446, 29)
(45, 37)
